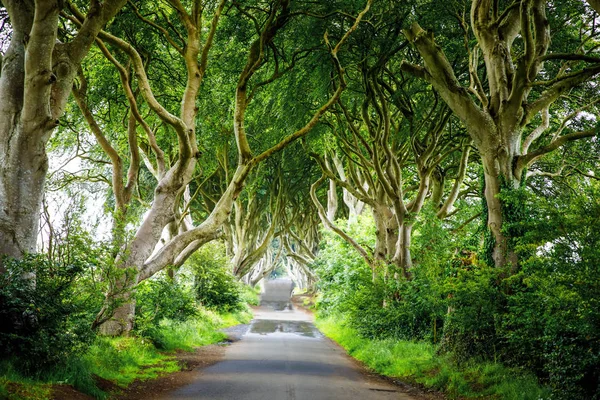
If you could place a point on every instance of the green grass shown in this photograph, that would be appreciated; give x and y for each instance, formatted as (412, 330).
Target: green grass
(125, 359)
(235, 318)
(14, 386)
(172, 336)
(76, 372)
(418, 362)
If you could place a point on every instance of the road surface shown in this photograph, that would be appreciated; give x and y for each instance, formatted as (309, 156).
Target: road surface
(282, 356)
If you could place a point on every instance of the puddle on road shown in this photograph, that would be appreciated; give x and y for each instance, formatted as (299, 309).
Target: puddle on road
(267, 326)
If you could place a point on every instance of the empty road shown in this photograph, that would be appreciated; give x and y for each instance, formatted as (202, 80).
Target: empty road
(283, 356)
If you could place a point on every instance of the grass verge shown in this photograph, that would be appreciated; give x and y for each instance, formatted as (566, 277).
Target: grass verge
(418, 362)
(123, 360)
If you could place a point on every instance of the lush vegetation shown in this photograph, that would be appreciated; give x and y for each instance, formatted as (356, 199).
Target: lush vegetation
(419, 363)
(469, 329)
(52, 340)
(430, 168)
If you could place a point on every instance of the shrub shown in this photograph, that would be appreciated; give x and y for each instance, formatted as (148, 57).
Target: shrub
(44, 320)
(214, 286)
(160, 299)
(250, 296)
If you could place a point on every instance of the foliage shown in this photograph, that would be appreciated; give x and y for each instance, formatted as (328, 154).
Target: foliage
(123, 360)
(552, 324)
(542, 316)
(342, 272)
(44, 319)
(250, 296)
(214, 285)
(159, 299)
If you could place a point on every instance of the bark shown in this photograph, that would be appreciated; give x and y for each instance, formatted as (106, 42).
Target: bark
(355, 206)
(386, 232)
(446, 207)
(37, 76)
(332, 201)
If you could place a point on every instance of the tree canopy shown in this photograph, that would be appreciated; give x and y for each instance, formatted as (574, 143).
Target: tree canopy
(268, 125)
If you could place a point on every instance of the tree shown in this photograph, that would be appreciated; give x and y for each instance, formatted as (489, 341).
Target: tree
(140, 258)
(392, 135)
(35, 83)
(516, 78)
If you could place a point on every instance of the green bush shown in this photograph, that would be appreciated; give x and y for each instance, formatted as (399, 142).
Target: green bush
(342, 272)
(214, 286)
(250, 296)
(162, 299)
(44, 320)
(475, 303)
(551, 322)
(387, 308)
(543, 315)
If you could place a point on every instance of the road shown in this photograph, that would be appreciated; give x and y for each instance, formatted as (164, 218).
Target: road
(283, 356)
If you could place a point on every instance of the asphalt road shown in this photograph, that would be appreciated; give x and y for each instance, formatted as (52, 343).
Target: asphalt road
(283, 356)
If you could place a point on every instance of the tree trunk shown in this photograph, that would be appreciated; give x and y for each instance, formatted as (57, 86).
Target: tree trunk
(386, 232)
(36, 79)
(332, 201)
(23, 160)
(23, 170)
(498, 177)
(136, 254)
(403, 257)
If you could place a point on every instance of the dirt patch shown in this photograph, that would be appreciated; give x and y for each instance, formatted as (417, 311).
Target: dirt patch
(62, 392)
(105, 385)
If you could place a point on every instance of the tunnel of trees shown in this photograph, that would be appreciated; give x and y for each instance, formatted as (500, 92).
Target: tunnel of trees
(429, 169)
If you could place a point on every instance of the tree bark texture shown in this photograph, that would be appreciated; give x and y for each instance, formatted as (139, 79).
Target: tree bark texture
(35, 82)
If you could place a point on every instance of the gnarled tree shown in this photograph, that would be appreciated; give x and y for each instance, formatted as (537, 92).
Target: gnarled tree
(140, 255)
(516, 76)
(36, 79)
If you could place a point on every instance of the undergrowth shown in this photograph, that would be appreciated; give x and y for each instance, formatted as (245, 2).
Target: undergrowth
(418, 362)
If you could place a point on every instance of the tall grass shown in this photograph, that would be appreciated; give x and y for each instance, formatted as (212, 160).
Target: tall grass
(123, 360)
(418, 362)
(250, 295)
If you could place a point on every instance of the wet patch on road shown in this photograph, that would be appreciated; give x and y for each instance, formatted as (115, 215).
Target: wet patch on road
(300, 328)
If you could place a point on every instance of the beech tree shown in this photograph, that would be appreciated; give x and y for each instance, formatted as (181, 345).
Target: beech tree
(509, 99)
(140, 257)
(36, 78)
(392, 134)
